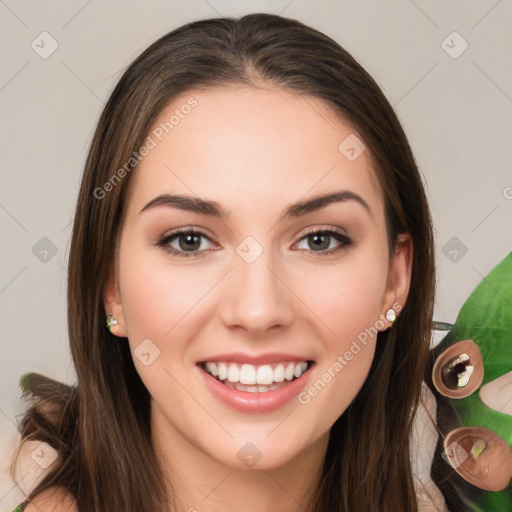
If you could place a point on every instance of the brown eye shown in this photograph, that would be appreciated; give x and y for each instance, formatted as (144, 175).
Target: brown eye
(480, 456)
(459, 370)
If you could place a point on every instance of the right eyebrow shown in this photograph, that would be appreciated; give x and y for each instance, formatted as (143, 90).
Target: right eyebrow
(188, 203)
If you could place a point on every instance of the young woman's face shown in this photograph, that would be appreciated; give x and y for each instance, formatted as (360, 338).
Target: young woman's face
(259, 291)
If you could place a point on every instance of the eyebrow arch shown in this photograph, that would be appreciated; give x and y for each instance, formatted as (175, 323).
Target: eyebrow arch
(214, 209)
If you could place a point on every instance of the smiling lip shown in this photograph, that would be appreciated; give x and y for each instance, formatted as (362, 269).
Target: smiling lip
(255, 360)
(245, 401)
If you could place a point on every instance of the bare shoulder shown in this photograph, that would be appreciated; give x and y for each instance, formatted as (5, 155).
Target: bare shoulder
(53, 499)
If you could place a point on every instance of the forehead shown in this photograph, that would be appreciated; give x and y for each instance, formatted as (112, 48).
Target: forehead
(237, 144)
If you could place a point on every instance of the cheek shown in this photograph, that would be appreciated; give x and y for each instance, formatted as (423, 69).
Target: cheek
(156, 296)
(347, 298)
(156, 293)
(159, 303)
(350, 305)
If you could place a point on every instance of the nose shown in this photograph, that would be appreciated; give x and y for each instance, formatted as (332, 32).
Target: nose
(256, 297)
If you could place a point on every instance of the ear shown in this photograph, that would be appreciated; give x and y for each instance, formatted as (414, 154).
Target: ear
(399, 276)
(113, 304)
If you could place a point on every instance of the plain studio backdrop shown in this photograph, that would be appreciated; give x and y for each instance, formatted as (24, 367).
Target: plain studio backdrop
(444, 66)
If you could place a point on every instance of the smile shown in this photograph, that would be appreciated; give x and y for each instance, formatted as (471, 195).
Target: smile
(255, 378)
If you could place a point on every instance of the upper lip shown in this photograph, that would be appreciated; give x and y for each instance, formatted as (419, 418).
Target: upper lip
(260, 359)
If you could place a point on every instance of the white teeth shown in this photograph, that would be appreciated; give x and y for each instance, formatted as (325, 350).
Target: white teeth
(279, 373)
(223, 371)
(288, 374)
(265, 375)
(233, 373)
(212, 368)
(299, 370)
(253, 389)
(256, 376)
(247, 374)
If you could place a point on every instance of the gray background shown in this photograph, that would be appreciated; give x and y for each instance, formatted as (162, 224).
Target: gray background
(455, 107)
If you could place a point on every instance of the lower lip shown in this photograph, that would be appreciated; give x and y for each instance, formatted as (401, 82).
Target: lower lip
(244, 401)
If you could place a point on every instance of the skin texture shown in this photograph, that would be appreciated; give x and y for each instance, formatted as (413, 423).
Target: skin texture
(255, 152)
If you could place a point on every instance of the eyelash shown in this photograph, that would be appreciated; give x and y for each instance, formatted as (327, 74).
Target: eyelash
(344, 240)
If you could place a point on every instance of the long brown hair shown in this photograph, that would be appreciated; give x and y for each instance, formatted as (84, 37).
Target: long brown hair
(103, 435)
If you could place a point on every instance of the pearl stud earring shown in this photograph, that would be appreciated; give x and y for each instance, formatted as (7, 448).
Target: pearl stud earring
(390, 315)
(111, 321)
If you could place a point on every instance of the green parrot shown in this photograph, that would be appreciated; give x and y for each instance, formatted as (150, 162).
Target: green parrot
(472, 381)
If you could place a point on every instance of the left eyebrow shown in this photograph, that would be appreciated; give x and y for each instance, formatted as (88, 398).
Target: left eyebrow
(214, 209)
(316, 203)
